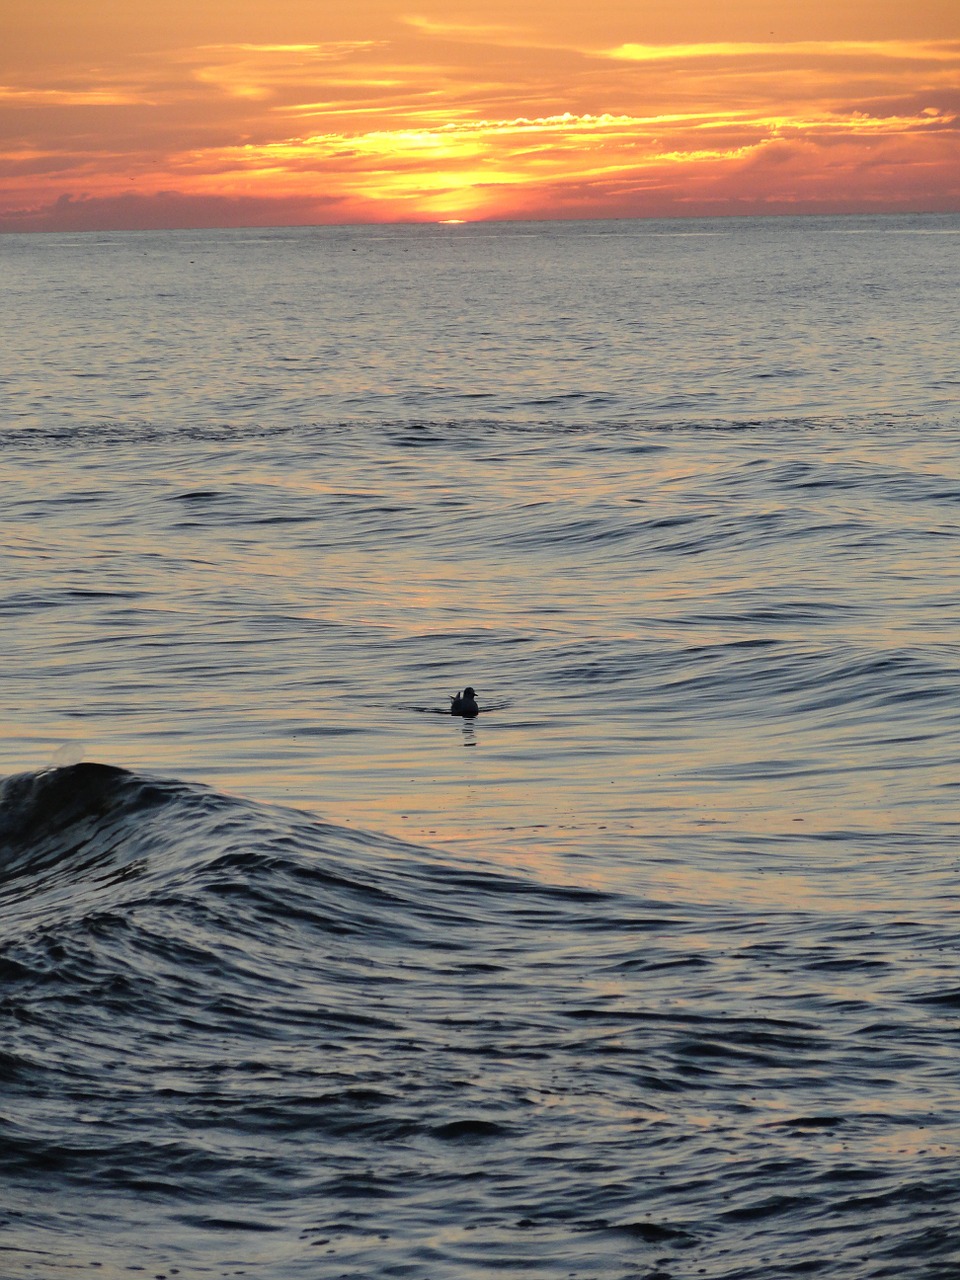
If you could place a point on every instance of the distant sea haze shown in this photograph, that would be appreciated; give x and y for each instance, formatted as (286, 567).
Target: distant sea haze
(647, 970)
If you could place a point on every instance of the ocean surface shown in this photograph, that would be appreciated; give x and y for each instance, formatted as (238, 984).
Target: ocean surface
(650, 972)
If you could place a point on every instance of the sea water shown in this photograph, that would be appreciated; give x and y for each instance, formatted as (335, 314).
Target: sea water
(649, 971)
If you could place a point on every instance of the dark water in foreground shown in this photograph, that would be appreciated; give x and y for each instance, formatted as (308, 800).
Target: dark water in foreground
(239, 1040)
(652, 969)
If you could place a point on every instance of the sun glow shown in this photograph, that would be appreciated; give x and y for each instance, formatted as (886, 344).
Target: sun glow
(471, 116)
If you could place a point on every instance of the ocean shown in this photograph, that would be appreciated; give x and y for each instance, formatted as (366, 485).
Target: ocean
(649, 972)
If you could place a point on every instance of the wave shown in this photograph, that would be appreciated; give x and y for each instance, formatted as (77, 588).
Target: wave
(103, 836)
(617, 432)
(237, 1037)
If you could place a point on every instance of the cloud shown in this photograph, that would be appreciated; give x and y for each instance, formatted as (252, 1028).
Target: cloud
(165, 210)
(898, 50)
(483, 32)
(99, 97)
(423, 122)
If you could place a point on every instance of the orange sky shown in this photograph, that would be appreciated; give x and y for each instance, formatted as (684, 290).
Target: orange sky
(115, 114)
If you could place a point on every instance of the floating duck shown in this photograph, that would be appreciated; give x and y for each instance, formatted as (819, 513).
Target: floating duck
(464, 704)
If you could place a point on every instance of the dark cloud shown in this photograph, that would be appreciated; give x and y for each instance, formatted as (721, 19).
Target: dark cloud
(168, 211)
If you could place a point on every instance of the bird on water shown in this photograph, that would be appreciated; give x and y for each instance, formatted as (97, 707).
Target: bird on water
(464, 704)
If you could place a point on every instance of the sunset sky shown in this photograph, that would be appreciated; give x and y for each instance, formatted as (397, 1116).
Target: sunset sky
(277, 112)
